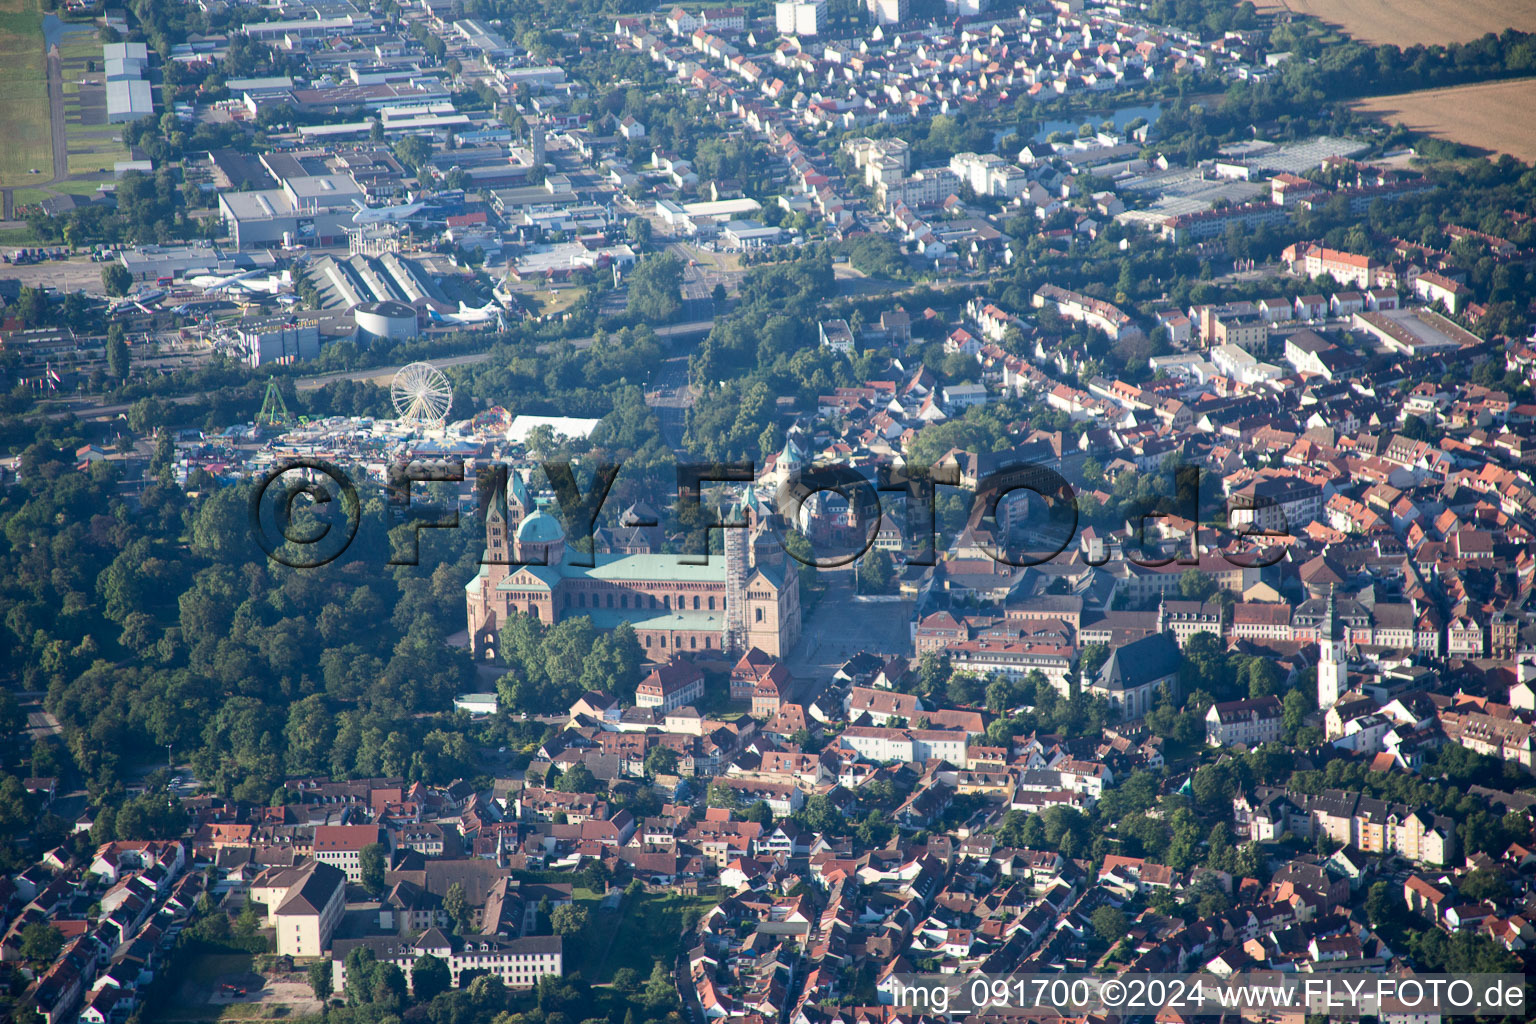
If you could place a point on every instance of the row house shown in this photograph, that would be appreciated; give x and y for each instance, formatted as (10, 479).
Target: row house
(1248, 723)
(534, 803)
(1370, 825)
(875, 743)
(1015, 660)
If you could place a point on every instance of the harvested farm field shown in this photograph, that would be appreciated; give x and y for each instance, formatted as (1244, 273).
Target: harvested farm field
(1413, 22)
(1495, 116)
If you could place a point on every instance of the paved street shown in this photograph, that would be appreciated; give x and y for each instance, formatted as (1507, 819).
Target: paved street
(670, 397)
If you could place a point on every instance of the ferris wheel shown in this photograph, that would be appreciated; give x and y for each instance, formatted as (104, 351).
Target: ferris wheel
(421, 395)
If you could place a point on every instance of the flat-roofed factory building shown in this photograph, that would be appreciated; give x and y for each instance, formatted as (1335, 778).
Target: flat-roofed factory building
(309, 210)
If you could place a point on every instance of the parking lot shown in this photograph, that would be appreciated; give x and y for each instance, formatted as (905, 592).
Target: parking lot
(78, 273)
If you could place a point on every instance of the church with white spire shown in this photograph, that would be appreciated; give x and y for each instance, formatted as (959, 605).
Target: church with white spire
(1333, 661)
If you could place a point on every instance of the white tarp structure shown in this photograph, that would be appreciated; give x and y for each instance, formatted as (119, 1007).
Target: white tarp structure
(566, 426)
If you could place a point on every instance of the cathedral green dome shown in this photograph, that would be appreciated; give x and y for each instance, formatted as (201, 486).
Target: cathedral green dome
(540, 528)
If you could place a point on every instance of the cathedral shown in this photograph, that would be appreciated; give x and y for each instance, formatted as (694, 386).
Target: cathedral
(750, 598)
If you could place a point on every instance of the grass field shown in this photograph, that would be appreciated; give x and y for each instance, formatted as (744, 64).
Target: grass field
(25, 196)
(23, 95)
(1410, 22)
(93, 150)
(549, 301)
(80, 44)
(647, 929)
(1495, 116)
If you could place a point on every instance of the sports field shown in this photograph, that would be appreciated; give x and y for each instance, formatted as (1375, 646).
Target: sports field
(1495, 116)
(1410, 22)
(23, 95)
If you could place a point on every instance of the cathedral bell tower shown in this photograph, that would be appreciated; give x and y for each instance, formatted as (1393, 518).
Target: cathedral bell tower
(737, 568)
(504, 515)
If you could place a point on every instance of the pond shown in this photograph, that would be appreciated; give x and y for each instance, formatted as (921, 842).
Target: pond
(1121, 116)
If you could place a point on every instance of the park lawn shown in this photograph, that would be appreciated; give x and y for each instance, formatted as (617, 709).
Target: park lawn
(594, 936)
(550, 301)
(23, 94)
(587, 899)
(18, 236)
(648, 930)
